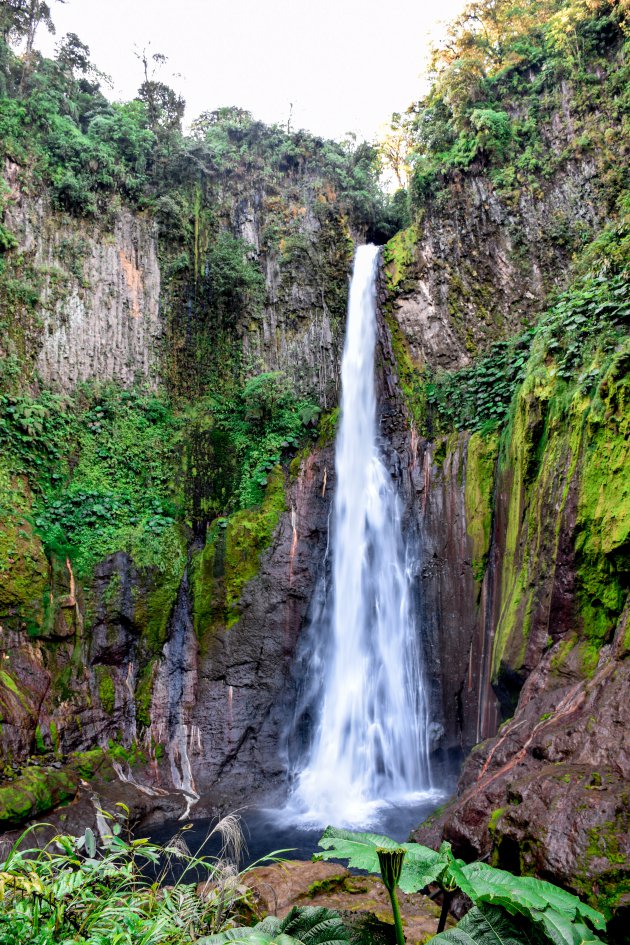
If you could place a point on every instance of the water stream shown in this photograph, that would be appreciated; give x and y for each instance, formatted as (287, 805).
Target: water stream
(369, 742)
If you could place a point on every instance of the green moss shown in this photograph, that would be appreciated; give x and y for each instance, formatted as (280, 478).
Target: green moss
(607, 887)
(327, 429)
(440, 451)
(54, 736)
(560, 657)
(152, 610)
(36, 791)
(131, 755)
(23, 565)
(561, 442)
(249, 532)
(230, 559)
(106, 691)
(411, 379)
(144, 693)
(481, 458)
(328, 885)
(87, 763)
(603, 517)
(206, 570)
(398, 256)
(298, 459)
(40, 747)
(589, 657)
(10, 684)
(494, 818)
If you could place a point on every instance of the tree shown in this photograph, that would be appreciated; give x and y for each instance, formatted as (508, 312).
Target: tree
(393, 148)
(20, 20)
(73, 55)
(165, 108)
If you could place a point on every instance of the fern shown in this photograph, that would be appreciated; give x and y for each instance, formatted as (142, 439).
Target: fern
(307, 926)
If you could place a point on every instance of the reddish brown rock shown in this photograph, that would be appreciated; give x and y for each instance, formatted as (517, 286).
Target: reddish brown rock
(300, 882)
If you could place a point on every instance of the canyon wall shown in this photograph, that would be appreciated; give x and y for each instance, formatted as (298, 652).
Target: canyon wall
(151, 599)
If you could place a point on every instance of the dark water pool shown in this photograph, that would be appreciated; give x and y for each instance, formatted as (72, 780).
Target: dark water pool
(269, 830)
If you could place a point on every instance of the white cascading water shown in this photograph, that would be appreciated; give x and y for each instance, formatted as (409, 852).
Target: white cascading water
(370, 745)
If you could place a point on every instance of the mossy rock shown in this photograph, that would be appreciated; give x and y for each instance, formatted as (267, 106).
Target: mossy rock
(36, 791)
(23, 565)
(87, 763)
(480, 476)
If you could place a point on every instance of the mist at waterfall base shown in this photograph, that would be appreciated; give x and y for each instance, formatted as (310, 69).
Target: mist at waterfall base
(358, 744)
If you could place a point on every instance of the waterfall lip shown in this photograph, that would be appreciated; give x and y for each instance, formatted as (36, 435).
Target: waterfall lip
(369, 746)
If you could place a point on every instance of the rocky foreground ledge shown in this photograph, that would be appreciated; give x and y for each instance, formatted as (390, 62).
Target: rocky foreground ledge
(362, 900)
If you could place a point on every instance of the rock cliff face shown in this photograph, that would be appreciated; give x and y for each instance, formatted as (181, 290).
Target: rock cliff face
(523, 568)
(245, 670)
(479, 266)
(186, 655)
(99, 292)
(301, 327)
(99, 289)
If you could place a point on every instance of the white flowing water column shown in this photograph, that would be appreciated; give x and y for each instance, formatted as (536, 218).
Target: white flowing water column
(371, 744)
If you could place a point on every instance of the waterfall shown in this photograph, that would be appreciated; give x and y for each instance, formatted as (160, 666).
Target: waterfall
(369, 740)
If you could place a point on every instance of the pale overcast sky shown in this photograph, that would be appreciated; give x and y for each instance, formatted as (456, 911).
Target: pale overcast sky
(346, 65)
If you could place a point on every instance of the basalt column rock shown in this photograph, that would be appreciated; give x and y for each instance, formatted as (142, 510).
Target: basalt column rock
(99, 291)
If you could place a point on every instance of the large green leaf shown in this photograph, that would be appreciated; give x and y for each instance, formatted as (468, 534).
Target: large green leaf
(559, 916)
(485, 926)
(560, 930)
(525, 894)
(421, 865)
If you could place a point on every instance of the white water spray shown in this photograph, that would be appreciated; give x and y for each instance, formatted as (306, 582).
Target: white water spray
(370, 745)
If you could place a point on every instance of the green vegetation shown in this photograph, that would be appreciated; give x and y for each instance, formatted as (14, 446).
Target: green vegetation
(390, 864)
(36, 791)
(497, 88)
(74, 890)
(56, 120)
(80, 890)
(301, 926)
(522, 905)
(102, 468)
(584, 326)
(99, 467)
(479, 495)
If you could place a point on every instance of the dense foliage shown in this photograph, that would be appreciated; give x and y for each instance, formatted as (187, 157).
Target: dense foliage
(91, 891)
(523, 95)
(579, 332)
(56, 121)
(113, 889)
(104, 465)
(497, 84)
